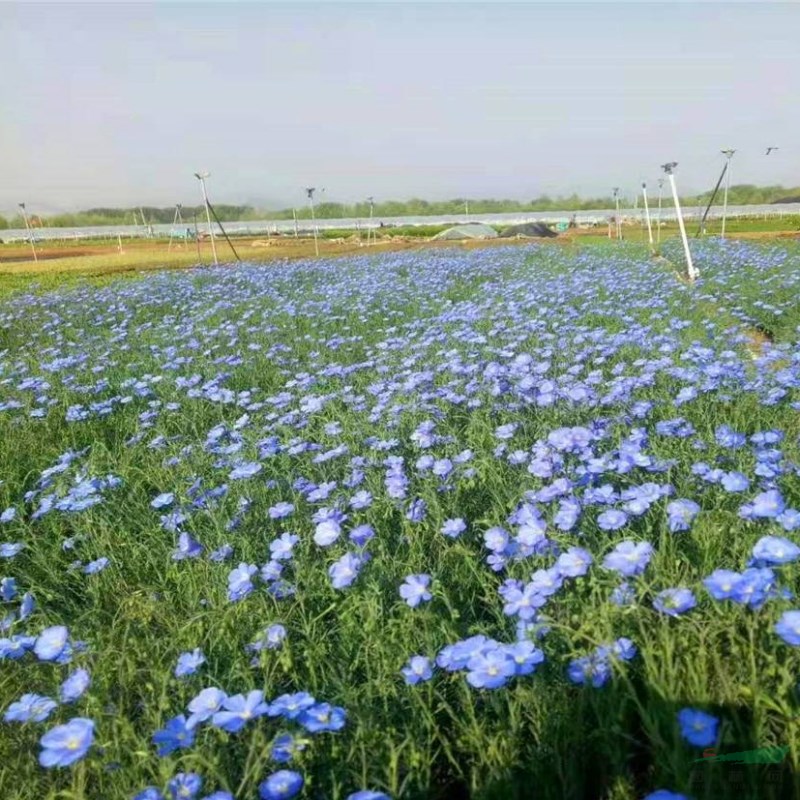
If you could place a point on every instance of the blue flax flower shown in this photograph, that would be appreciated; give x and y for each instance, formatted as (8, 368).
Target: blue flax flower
(66, 744)
(697, 727)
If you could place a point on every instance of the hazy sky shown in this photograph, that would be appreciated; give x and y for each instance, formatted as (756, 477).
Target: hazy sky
(116, 104)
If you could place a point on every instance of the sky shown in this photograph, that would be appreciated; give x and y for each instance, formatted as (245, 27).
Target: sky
(119, 104)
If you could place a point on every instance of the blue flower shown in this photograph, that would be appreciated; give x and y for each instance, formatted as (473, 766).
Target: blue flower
(697, 727)
(281, 510)
(222, 553)
(721, 584)
(322, 717)
(285, 746)
(240, 584)
(185, 786)
(281, 785)
(205, 705)
(490, 669)
(735, 482)
(453, 528)
(66, 744)
(574, 562)
(526, 656)
(344, 571)
(163, 500)
(30, 708)
(766, 505)
(282, 548)
(775, 550)
(51, 643)
(612, 519)
(8, 589)
(496, 539)
(680, 514)
(754, 586)
(274, 636)
(589, 669)
(290, 706)
(239, 710)
(623, 595)
(246, 470)
(187, 548)
(327, 532)
(189, 663)
(74, 686)
(176, 734)
(414, 590)
(361, 534)
(10, 549)
(674, 602)
(368, 794)
(629, 558)
(93, 567)
(665, 794)
(418, 669)
(788, 627)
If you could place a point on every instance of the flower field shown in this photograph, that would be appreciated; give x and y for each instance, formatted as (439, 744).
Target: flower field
(504, 523)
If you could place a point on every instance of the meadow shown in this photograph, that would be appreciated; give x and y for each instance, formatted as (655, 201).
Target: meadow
(512, 522)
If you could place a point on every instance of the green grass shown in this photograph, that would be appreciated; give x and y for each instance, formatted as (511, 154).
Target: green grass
(407, 324)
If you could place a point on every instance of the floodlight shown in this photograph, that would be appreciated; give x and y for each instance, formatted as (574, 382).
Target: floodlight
(669, 167)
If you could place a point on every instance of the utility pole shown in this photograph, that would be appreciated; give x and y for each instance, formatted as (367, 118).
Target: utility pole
(370, 230)
(310, 193)
(30, 232)
(669, 169)
(729, 155)
(616, 203)
(647, 215)
(660, 192)
(201, 176)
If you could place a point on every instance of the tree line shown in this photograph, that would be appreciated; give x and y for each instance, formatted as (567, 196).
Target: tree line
(740, 194)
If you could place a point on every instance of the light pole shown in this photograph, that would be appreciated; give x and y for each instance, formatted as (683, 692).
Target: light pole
(660, 192)
(371, 201)
(770, 149)
(669, 169)
(310, 192)
(466, 209)
(647, 215)
(30, 232)
(201, 176)
(616, 204)
(729, 155)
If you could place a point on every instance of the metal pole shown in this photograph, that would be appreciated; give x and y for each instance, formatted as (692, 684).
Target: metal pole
(701, 226)
(370, 230)
(466, 209)
(172, 230)
(310, 192)
(30, 232)
(668, 168)
(197, 240)
(224, 233)
(617, 219)
(660, 192)
(647, 215)
(294, 214)
(728, 154)
(202, 179)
